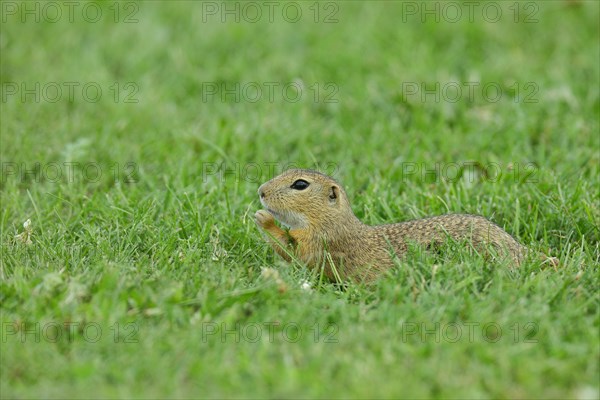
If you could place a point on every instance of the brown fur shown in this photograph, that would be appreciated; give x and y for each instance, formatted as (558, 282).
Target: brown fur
(325, 233)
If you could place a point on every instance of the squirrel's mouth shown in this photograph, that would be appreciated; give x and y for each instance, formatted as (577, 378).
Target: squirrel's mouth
(276, 214)
(264, 204)
(288, 218)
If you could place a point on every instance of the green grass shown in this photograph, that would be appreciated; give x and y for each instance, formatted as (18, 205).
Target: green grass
(163, 256)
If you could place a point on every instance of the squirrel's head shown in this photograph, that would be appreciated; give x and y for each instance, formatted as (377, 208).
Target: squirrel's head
(302, 198)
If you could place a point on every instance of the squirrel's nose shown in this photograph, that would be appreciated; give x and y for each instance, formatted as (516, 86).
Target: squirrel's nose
(261, 192)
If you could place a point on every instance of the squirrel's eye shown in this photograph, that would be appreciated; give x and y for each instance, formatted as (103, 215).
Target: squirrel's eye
(300, 184)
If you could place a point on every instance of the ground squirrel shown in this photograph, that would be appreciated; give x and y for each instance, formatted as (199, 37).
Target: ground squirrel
(325, 233)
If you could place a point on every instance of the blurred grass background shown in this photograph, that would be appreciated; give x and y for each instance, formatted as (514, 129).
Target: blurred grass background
(163, 238)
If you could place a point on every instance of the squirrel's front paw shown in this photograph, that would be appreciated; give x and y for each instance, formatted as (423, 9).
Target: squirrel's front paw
(264, 219)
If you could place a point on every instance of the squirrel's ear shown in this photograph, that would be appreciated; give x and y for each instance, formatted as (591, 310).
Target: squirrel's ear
(334, 194)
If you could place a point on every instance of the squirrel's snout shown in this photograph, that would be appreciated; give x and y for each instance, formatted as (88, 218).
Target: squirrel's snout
(261, 192)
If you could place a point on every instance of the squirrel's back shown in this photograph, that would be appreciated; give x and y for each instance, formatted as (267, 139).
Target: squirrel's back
(432, 231)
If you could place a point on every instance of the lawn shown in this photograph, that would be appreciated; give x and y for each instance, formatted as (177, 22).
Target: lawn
(134, 137)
